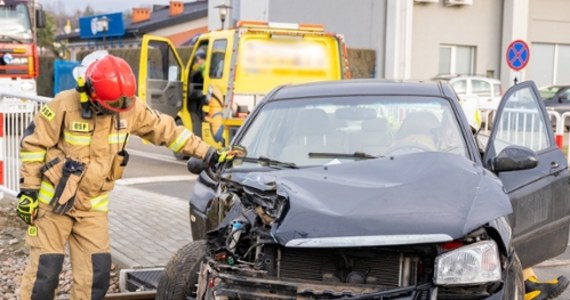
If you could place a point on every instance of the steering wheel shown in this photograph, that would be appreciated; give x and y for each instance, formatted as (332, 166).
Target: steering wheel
(407, 147)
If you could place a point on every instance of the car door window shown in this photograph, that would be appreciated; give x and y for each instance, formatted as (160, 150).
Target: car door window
(522, 123)
(218, 57)
(497, 90)
(460, 86)
(481, 88)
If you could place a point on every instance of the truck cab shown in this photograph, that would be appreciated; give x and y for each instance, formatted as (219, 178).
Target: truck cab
(242, 64)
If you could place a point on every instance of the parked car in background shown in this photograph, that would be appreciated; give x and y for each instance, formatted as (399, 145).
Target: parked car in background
(374, 189)
(557, 98)
(487, 91)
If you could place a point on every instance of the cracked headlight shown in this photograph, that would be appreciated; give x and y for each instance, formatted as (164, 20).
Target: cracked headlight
(471, 264)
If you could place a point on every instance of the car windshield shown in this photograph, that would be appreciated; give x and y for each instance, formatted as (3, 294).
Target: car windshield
(318, 131)
(549, 92)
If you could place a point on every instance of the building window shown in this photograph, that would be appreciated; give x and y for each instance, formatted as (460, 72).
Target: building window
(455, 59)
(549, 64)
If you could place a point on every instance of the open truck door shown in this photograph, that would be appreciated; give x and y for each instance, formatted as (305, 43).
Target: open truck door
(161, 73)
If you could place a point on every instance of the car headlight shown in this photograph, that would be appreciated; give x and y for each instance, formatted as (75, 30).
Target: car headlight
(471, 264)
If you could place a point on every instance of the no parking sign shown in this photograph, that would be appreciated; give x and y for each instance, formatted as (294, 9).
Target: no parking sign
(518, 55)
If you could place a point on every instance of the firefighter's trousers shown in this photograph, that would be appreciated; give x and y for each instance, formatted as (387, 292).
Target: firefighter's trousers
(88, 237)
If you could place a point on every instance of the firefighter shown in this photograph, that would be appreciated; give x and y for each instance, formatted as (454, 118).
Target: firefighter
(214, 116)
(71, 155)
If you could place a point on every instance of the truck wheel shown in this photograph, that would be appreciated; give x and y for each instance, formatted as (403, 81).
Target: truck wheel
(180, 276)
(179, 155)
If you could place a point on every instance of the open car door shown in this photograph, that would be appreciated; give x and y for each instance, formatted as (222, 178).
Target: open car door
(540, 196)
(160, 75)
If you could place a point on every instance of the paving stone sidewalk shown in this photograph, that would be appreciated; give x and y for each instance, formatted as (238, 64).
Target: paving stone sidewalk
(146, 228)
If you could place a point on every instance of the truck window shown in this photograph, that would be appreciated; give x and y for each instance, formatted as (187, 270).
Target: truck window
(160, 60)
(266, 61)
(218, 57)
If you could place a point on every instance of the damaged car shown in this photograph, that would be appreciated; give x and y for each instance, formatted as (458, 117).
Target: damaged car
(368, 189)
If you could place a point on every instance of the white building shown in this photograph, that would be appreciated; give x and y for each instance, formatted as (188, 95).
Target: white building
(417, 39)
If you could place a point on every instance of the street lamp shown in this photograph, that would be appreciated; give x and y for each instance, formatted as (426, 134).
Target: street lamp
(223, 10)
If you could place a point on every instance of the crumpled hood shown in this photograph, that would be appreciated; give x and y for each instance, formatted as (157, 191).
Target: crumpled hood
(414, 194)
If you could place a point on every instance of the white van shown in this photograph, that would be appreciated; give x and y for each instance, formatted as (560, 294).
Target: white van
(488, 90)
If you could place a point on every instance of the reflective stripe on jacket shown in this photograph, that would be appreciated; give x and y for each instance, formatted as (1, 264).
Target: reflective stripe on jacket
(59, 131)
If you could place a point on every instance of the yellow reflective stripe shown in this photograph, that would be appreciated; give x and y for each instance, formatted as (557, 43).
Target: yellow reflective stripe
(33, 156)
(100, 203)
(117, 138)
(180, 141)
(77, 139)
(46, 192)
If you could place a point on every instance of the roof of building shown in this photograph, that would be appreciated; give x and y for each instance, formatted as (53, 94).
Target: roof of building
(159, 18)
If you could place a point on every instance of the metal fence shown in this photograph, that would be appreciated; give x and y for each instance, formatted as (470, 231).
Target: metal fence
(16, 112)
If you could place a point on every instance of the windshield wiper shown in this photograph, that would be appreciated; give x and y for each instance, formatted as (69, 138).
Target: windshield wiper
(10, 38)
(357, 154)
(266, 161)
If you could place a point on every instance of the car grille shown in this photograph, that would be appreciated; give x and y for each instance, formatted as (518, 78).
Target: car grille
(382, 268)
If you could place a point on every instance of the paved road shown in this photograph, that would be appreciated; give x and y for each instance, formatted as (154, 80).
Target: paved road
(555, 267)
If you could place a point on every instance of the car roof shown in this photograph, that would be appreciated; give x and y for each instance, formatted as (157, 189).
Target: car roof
(363, 87)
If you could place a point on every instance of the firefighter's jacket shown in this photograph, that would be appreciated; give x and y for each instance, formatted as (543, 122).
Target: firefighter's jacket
(59, 133)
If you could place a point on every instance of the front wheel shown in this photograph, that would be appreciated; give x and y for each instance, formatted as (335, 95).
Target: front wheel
(180, 276)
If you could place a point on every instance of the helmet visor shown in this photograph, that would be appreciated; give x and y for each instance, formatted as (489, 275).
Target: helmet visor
(119, 105)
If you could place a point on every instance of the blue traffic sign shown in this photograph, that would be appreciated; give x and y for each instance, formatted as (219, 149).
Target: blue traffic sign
(518, 55)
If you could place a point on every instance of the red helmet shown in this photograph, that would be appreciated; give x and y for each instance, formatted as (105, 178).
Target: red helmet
(112, 83)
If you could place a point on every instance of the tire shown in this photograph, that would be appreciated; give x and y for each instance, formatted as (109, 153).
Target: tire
(178, 155)
(180, 276)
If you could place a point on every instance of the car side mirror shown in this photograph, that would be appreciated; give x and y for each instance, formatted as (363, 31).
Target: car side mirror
(195, 165)
(514, 158)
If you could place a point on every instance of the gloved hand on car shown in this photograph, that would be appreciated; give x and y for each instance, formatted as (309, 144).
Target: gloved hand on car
(214, 157)
(27, 208)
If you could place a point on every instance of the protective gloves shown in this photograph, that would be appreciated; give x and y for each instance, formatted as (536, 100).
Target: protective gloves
(27, 208)
(214, 157)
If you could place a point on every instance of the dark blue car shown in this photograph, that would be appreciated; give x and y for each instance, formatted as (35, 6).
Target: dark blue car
(376, 190)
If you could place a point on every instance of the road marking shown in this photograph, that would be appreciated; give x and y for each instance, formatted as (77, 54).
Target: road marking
(553, 263)
(167, 178)
(161, 157)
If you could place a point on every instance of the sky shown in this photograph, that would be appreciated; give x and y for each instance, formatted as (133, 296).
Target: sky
(104, 6)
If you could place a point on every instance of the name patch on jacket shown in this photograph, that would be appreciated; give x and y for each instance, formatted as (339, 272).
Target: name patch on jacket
(47, 113)
(80, 126)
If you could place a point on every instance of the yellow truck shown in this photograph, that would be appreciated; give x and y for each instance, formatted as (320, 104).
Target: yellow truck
(242, 64)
